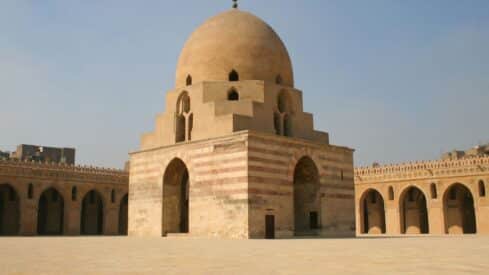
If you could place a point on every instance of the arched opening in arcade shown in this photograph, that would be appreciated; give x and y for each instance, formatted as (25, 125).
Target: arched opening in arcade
(176, 198)
(50, 215)
(458, 204)
(372, 213)
(92, 214)
(307, 204)
(123, 215)
(413, 212)
(9, 211)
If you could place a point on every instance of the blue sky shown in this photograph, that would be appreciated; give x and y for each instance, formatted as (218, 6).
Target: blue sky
(396, 80)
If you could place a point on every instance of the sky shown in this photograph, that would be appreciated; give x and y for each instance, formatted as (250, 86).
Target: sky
(396, 80)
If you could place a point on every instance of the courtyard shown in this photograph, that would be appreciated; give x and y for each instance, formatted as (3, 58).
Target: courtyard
(125, 255)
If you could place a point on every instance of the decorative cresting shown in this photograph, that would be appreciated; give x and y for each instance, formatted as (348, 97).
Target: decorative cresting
(423, 169)
(58, 170)
(234, 40)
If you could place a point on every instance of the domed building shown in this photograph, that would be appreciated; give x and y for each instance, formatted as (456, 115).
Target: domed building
(234, 155)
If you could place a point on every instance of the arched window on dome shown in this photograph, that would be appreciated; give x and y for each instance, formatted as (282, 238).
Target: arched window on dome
(183, 119)
(233, 95)
(278, 80)
(189, 80)
(233, 76)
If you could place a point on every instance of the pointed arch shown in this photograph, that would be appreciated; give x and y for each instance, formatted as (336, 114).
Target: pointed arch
(30, 191)
(183, 121)
(459, 210)
(433, 191)
(176, 186)
(278, 80)
(123, 207)
(391, 193)
(284, 102)
(233, 75)
(372, 212)
(50, 217)
(9, 210)
(188, 81)
(413, 211)
(307, 201)
(92, 214)
(482, 189)
(74, 193)
(233, 95)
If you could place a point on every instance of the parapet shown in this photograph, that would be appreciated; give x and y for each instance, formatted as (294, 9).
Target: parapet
(12, 167)
(421, 169)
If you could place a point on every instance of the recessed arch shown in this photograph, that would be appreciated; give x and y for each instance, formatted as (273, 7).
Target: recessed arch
(176, 188)
(74, 193)
(413, 211)
(482, 189)
(9, 210)
(112, 196)
(183, 103)
(183, 118)
(372, 212)
(459, 210)
(391, 193)
(307, 202)
(123, 207)
(92, 214)
(233, 76)
(50, 212)
(433, 191)
(287, 128)
(284, 102)
(30, 191)
(233, 95)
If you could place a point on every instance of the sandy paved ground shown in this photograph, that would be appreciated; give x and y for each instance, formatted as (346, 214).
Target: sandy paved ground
(119, 255)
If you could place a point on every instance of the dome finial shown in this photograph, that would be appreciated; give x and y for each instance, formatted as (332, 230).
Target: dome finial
(235, 4)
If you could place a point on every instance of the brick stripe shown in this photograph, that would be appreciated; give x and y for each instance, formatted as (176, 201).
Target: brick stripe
(267, 170)
(335, 186)
(222, 181)
(269, 142)
(219, 162)
(198, 156)
(269, 152)
(339, 196)
(266, 160)
(221, 170)
(261, 179)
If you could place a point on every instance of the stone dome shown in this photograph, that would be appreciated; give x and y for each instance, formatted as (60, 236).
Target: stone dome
(234, 40)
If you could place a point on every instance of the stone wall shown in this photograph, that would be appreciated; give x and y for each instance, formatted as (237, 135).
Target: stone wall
(444, 193)
(31, 180)
(272, 163)
(235, 181)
